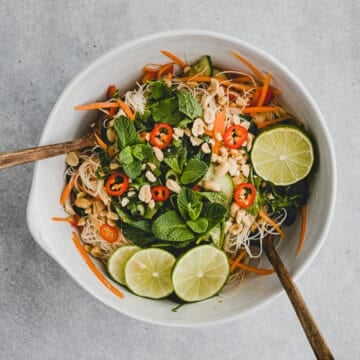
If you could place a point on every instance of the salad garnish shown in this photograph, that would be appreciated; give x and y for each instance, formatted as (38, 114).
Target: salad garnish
(192, 169)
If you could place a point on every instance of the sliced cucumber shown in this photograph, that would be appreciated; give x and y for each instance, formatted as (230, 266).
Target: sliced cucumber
(203, 67)
(226, 185)
(217, 236)
(225, 182)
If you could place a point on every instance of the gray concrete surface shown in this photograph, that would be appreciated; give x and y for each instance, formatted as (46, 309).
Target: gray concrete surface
(44, 314)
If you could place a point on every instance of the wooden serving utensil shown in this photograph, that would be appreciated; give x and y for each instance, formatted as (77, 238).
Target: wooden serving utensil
(12, 158)
(18, 157)
(312, 331)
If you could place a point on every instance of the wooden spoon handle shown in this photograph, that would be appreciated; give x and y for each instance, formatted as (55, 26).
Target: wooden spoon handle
(317, 342)
(12, 158)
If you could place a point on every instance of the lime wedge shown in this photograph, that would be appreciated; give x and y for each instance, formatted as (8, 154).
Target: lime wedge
(200, 273)
(117, 261)
(282, 155)
(148, 273)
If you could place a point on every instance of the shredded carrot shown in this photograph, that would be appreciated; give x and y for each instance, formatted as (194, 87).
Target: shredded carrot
(165, 69)
(152, 67)
(126, 109)
(208, 132)
(149, 75)
(68, 219)
(253, 269)
(264, 89)
(174, 57)
(237, 260)
(100, 142)
(67, 190)
(302, 231)
(196, 78)
(242, 79)
(99, 105)
(272, 223)
(257, 109)
(276, 90)
(219, 127)
(272, 122)
(93, 268)
(252, 67)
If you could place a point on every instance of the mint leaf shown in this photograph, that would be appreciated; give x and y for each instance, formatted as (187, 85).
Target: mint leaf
(176, 159)
(189, 204)
(125, 157)
(214, 213)
(173, 163)
(194, 210)
(171, 227)
(194, 171)
(167, 111)
(142, 151)
(217, 197)
(138, 233)
(159, 90)
(188, 105)
(199, 226)
(133, 170)
(125, 131)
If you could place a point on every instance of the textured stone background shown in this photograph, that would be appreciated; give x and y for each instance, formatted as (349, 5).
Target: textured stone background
(44, 314)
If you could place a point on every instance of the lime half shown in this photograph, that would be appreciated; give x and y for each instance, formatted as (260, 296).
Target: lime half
(282, 155)
(117, 261)
(200, 273)
(148, 273)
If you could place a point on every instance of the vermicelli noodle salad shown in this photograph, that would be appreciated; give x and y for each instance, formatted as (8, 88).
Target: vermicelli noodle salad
(191, 170)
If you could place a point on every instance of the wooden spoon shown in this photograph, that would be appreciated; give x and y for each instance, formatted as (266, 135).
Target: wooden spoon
(12, 158)
(317, 341)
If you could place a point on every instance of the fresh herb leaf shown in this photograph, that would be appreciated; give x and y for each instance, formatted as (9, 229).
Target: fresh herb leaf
(199, 226)
(217, 197)
(159, 90)
(188, 105)
(133, 170)
(171, 227)
(194, 210)
(173, 164)
(125, 131)
(125, 157)
(184, 123)
(189, 204)
(142, 151)
(167, 111)
(123, 216)
(214, 213)
(194, 171)
(138, 233)
(176, 159)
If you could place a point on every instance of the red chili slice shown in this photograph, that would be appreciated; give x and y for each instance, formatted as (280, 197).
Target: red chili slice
(160, 193)
(235, 136)
(109, 233)
(245, 195)
(161, 135)
(111, 91)
(269, 97)
(116, 184)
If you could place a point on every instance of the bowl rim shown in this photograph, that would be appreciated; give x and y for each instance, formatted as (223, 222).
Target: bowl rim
(258, 52)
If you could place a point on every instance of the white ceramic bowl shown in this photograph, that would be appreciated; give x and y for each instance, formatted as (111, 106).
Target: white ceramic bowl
(122, 66)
